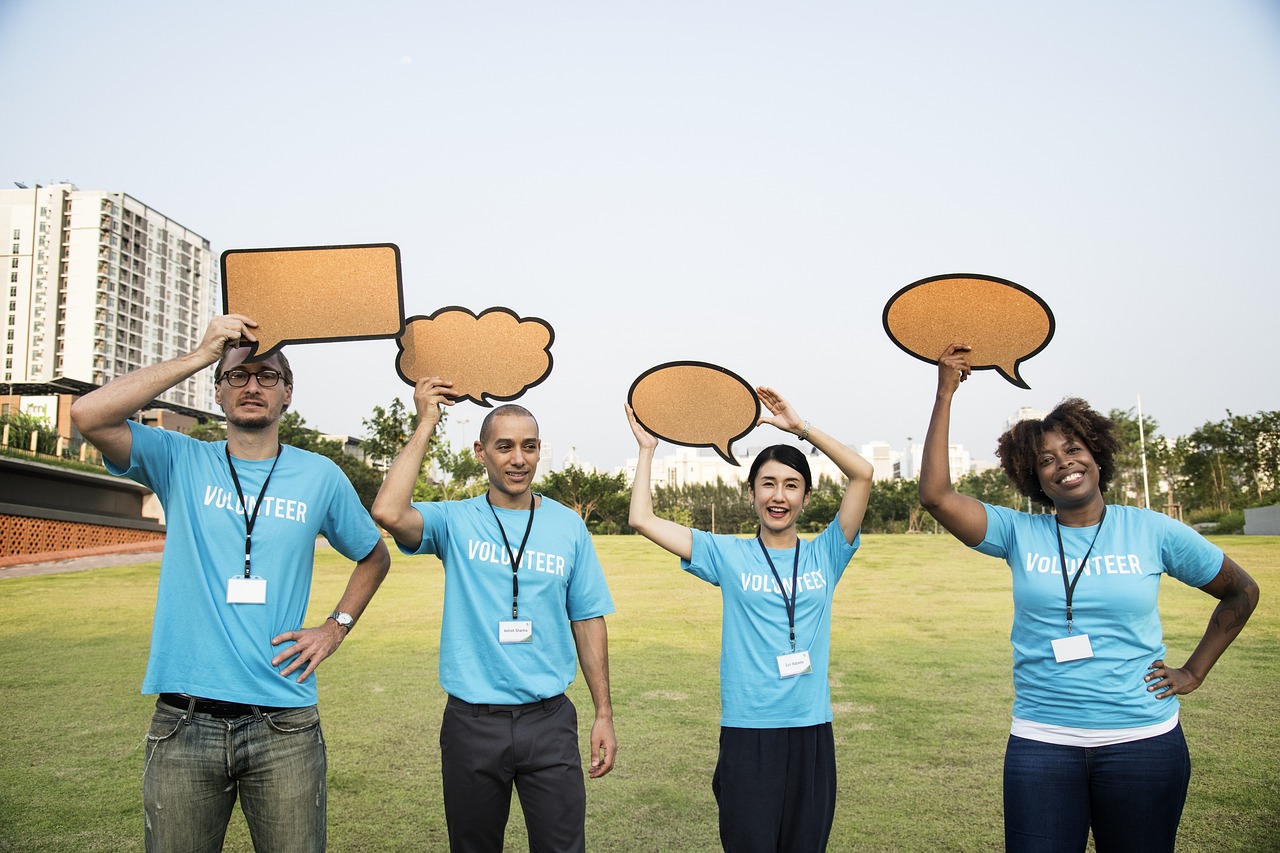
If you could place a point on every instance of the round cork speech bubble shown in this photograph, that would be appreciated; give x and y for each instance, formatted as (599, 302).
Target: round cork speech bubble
(495, 355)
(695, 404)
(1004, 323)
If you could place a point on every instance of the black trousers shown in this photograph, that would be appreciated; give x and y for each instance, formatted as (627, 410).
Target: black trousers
(485, 749)
(776, 789)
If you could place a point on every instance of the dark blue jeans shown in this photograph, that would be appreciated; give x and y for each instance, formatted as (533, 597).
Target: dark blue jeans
(196, 766)
(1130, 794)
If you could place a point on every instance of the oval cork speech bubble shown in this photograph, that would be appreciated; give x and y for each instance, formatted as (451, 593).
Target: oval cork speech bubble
(311, 294)
(496, 355)
(695, 404)
(1004, 323)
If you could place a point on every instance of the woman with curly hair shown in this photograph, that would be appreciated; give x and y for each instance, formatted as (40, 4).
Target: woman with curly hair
(1095, 741)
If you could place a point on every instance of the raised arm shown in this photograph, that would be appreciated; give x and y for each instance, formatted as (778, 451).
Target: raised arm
(964, 517)
(101, 415)
(853, 506)
(393, 507)
(676, 538)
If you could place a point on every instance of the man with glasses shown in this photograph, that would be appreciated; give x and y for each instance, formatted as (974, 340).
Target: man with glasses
(230, 658)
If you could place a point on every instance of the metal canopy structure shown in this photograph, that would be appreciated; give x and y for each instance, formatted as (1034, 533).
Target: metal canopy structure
(78, 387)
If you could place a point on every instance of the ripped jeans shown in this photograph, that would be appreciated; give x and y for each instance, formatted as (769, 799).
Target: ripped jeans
(196, 765)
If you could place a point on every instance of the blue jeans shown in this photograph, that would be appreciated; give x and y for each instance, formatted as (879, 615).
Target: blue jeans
(1131, 794)
(196, 765)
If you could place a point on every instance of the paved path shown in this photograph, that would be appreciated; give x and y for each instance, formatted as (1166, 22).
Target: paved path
(70, 562)
(78, 564)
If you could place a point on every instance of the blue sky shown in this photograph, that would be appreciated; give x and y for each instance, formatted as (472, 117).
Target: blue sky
(740, 183)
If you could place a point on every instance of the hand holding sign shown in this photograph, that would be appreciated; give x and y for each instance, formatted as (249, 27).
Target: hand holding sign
(324, 293)
(1003, 323)
(695, 404)
(495, 355)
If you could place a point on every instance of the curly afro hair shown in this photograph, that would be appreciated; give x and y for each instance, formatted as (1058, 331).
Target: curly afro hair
(1020, 446)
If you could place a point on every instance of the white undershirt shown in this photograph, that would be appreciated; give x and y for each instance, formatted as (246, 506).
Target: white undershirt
(1071, 736)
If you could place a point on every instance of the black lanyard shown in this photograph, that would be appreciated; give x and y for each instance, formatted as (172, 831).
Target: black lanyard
(515, 558)
(251, 518)
(795, 574)
(1070, 589)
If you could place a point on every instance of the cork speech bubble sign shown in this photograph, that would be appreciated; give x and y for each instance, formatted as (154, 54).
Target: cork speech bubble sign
(496, 355)
(695, 404)
(311, 294)
(1004, 323)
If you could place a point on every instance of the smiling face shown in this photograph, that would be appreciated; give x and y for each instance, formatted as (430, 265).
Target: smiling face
(252, 407)
(509, 453)
(1067, 471)
(778, 495)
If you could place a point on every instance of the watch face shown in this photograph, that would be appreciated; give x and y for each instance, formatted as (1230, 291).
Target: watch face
(343, 619)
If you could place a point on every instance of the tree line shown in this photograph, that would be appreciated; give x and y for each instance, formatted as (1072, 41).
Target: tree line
(1211, 475)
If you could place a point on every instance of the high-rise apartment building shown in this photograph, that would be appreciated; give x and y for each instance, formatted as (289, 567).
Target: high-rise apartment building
(99, 284)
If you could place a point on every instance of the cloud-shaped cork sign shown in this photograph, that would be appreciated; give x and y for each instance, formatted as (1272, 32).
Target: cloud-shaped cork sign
(311, 294)
(1004, 323)
(495, 355)
(695, 404)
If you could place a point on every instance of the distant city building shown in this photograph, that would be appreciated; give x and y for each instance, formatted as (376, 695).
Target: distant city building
(100, 284)
(1026, 413)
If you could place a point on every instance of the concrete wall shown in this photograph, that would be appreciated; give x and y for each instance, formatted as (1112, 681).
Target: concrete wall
(49, 509)
(1263, 521)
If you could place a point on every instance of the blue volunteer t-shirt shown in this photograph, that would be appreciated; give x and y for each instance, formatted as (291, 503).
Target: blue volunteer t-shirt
(560, 581)
(754, 629)
(200, 644)
(1114, 602)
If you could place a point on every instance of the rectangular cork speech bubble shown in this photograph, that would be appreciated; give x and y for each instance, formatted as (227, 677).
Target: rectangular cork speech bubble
(311, 294)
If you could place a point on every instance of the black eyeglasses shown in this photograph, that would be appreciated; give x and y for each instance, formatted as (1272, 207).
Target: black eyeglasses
(237, 378)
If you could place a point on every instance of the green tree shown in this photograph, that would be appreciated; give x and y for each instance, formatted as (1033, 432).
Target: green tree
(1212, 467)
(992, 487)
(824, 504)
(388, 430)
(210, 429)
(1234, 463)
(893, 507)
(719, 507)
(462, 474)
(582, 491)
(1137, 446)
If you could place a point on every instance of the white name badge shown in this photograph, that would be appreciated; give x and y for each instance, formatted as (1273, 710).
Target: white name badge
(794, 663)
(515, 631)
(243, 590)
(1072, 648)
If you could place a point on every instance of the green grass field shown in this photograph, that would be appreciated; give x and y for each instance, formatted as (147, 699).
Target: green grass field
(920, 683)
